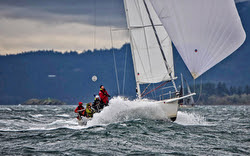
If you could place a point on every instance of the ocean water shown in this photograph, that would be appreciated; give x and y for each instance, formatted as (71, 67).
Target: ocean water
(125, 128)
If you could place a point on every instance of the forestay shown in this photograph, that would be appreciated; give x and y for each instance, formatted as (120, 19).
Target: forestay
(148, 61)
(203, 31)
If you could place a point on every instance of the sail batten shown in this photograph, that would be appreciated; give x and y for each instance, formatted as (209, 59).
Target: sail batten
(148, 61)
(204, 32)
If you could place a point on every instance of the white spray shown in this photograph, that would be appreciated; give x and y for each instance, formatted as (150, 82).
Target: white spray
(121, 110)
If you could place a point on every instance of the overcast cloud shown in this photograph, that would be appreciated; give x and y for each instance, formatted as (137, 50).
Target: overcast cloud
(61, 25)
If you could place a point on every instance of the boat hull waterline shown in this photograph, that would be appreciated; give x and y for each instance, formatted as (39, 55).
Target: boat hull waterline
(171, 106)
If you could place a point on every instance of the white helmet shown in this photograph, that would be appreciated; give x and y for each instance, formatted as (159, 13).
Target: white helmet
(97, 96)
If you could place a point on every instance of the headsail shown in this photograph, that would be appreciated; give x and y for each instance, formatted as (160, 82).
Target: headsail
(148, 62)
(203, 31)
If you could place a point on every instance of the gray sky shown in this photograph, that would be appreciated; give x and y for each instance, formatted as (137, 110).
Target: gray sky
(61, 25)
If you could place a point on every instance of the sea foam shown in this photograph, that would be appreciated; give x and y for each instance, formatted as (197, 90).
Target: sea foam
(187, 118)
(121, 110)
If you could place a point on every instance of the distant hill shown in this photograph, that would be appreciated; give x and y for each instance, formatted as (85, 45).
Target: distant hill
(43, 102)
(67, 76)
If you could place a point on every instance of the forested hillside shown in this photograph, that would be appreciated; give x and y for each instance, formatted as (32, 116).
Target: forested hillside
(67, 76)
(29, 75)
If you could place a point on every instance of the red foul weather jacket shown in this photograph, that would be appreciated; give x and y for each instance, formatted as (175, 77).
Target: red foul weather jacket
(79, 108)
(104, 96)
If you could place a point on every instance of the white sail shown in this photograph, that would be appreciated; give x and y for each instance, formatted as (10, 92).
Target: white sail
(149, 65)
(203, 31)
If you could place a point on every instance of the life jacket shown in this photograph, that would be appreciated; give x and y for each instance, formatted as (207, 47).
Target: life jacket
(89, 111)
(96, 102)
(104, 96)
(80, 108)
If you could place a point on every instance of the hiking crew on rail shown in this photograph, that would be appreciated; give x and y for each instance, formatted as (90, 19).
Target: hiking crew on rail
(104, 96)
(80, 110)
(97, 106)
(99, 103)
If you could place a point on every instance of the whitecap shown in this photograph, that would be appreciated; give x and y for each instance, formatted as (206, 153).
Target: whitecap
(37, 115)
(185, 118)
(63, 115)
(5, 109)
(124, 125)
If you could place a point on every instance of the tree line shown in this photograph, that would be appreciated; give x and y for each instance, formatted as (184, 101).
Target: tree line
(26, 75)
(220, 94)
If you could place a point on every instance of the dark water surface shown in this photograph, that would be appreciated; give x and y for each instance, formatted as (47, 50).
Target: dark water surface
(126, 128)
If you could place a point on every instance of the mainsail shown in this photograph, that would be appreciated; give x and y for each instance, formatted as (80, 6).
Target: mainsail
(203, 31)
(149, 64)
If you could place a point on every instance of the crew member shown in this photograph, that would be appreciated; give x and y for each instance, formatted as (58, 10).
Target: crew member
(89, 110)
(97, 104)
(80, 110)
(104, 96)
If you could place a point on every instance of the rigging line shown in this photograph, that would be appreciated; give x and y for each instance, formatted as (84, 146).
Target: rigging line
(139, 27)
(120, 29)
(164, 39)
(94, 25)
(146, 26)
(145, 89)
(124, 75)
(161, 49)
(113, 52)
(117, 80)
(154, 93)
(156, 88)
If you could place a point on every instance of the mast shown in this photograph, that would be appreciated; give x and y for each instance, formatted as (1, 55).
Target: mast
(138, 90)
(161, 49)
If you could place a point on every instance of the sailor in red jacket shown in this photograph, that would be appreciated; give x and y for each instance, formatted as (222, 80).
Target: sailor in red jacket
(104, 95)
(80, 110)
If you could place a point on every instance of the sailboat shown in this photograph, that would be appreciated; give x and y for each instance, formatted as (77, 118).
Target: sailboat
(188, 102)
(203, 32)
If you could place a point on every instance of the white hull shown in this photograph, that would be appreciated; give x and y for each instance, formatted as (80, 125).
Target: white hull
(170, 109)
(171, 106)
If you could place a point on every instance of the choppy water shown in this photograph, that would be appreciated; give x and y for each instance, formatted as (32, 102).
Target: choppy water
(125, 128)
